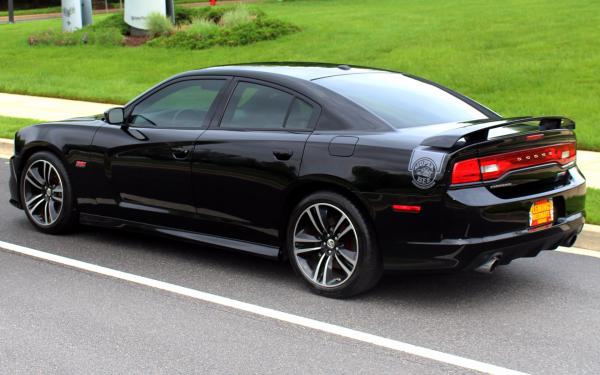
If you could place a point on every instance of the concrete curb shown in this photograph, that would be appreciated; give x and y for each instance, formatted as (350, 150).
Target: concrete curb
(588, 239)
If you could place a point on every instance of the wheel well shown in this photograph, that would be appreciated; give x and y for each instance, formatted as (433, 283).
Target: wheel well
(308, 188)
(29, 152)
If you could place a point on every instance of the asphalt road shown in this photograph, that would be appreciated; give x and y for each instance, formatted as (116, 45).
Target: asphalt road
(538, 315)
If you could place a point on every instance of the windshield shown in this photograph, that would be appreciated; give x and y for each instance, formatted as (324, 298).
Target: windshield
(402, 101)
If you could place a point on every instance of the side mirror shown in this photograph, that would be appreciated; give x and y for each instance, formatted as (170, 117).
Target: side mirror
(115, 116)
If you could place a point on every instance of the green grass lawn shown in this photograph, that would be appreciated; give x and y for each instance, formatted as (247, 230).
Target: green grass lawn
(520, 57)
(24, 12)
(592, 206)
(9, 125)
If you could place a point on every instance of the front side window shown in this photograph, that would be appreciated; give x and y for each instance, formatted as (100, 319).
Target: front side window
(181, 105)
(402, 101)
(254, 106)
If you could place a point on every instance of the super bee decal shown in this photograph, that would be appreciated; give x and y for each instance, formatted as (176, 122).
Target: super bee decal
(426, 167)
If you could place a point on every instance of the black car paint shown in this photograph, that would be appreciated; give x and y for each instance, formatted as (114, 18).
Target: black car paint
(235, 188)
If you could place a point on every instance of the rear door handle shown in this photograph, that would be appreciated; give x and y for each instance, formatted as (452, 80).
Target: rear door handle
(283, 154)
(180, 153)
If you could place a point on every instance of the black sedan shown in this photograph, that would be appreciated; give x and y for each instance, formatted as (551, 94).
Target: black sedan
(344, 171)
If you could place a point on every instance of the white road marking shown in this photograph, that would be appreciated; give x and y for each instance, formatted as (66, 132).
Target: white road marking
(266, 312)
(578, 251)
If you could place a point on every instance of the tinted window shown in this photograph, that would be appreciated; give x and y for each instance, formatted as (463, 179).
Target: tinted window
(181, 105)
(400, 100)
(300, 115)
(255, 106)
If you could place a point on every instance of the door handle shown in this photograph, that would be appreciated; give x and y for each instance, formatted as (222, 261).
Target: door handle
(283, 154)
(180, 153)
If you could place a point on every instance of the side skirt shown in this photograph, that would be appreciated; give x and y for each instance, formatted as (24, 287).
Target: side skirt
(265, 251)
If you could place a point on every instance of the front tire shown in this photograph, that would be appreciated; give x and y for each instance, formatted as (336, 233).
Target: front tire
(46, 194)
(332, 246)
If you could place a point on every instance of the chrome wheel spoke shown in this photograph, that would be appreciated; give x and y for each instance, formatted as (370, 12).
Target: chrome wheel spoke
(47, 212)
(314, 223)
(342, 265)
(339, 223)
(36, 205)
(306, 250)
(34, 199)
(52, 213)
(34, 179)
(318, 268)
(306, 238)
(45, 173)
(320, 217)
(347, 258)
(327, 270)
(345, 231)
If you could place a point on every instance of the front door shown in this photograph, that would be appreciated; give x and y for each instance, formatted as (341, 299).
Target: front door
(147, 162)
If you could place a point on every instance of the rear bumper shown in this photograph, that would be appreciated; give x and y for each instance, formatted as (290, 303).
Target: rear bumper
(471, 253)
(475, 225)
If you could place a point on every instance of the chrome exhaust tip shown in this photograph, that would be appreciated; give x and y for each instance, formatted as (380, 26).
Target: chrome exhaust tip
(490, 265)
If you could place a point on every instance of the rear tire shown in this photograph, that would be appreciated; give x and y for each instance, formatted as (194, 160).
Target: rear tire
(46, 194)
(332, 246)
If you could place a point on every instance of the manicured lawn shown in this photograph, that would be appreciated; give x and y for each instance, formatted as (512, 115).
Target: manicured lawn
(23, 12)
(9, 125)
(520, 57)
(592, 206)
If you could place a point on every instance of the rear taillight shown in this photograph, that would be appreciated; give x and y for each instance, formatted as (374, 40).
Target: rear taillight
(495, 166)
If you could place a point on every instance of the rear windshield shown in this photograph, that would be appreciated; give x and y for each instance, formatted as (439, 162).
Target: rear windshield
(401, 101)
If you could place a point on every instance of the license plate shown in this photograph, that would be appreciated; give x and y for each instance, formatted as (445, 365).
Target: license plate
(541, 213)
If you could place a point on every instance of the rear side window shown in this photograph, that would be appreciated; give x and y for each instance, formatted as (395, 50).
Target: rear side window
(254, 106)
(402, 101)
(300, 115)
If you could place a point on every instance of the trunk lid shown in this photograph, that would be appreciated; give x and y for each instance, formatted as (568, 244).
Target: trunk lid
(511, 157)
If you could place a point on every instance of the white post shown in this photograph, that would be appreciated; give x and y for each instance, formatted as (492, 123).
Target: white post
(137, 11)
(71, 15)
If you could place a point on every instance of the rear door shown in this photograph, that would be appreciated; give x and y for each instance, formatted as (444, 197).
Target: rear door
(147, 163)
(248, 157)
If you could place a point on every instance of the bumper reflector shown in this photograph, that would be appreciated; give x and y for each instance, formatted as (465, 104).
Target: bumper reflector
(406, 209)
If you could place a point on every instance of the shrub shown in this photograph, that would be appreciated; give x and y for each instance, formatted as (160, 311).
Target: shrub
(106, 37)
(203, 27)
(261, 29)
(184, 16)
(159, 25)
(114, 21)
(239, 15)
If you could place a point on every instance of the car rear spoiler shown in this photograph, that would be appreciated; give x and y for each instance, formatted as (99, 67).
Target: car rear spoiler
(477, 131)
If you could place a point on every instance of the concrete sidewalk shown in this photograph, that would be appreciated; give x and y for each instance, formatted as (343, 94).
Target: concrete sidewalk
(47, 109)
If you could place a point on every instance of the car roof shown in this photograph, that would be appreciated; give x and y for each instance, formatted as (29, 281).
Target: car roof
(299, 70)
